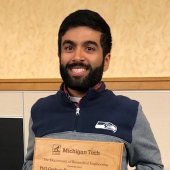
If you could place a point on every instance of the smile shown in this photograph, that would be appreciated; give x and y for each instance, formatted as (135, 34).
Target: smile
(78, 72)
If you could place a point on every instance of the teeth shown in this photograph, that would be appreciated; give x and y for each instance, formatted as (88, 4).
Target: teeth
(78, 70)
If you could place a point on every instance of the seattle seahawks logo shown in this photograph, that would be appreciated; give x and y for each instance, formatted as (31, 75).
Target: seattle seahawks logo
(106, 126)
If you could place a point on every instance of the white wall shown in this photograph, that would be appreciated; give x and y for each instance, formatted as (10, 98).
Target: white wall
(11, 104)
(156, 105)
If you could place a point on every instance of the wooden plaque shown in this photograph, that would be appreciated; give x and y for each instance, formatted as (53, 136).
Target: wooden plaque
(62, 154)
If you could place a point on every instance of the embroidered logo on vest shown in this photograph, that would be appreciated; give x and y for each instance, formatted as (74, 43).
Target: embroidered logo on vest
(106, 126)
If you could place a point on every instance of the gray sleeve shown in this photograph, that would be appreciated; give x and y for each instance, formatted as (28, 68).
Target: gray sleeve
(143, 152)
(30, 149)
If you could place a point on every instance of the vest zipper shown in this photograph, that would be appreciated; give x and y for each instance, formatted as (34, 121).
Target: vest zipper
(77, 115)
(77, 111)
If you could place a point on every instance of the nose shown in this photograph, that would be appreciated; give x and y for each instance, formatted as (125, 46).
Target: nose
(78, 55)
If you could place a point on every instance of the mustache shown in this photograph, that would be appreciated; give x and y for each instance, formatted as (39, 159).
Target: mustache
(78, 64)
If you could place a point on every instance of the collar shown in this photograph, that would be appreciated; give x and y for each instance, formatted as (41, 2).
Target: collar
(98, 87)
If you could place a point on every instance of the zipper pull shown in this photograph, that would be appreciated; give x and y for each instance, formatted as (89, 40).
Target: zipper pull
(77, 111)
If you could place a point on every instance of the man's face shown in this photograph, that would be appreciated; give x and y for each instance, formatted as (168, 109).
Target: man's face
(81, 61)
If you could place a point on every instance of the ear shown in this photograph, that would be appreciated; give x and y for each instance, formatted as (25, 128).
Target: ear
(106, 62)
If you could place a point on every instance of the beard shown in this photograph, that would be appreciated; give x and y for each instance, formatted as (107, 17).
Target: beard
(81, 84)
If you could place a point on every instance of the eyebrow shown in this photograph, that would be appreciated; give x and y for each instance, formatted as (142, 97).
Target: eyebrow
(89, 42)
(68, 42)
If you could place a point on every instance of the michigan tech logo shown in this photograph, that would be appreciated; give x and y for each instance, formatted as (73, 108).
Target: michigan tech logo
(56, 149)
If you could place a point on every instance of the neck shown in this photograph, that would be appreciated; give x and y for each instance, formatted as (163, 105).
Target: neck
(75, 93)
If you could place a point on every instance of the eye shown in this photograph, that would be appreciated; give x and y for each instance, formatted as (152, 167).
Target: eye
(90, 49)
(68, 48)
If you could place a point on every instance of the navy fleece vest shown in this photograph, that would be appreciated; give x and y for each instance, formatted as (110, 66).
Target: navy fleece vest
(56, 113)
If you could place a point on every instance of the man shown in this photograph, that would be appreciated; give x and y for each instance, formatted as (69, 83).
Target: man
(83, 103)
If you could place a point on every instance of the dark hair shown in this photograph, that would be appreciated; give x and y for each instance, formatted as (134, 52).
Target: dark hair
(90, 19)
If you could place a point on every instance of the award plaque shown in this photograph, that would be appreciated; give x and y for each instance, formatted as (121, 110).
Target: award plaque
(63, 154)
